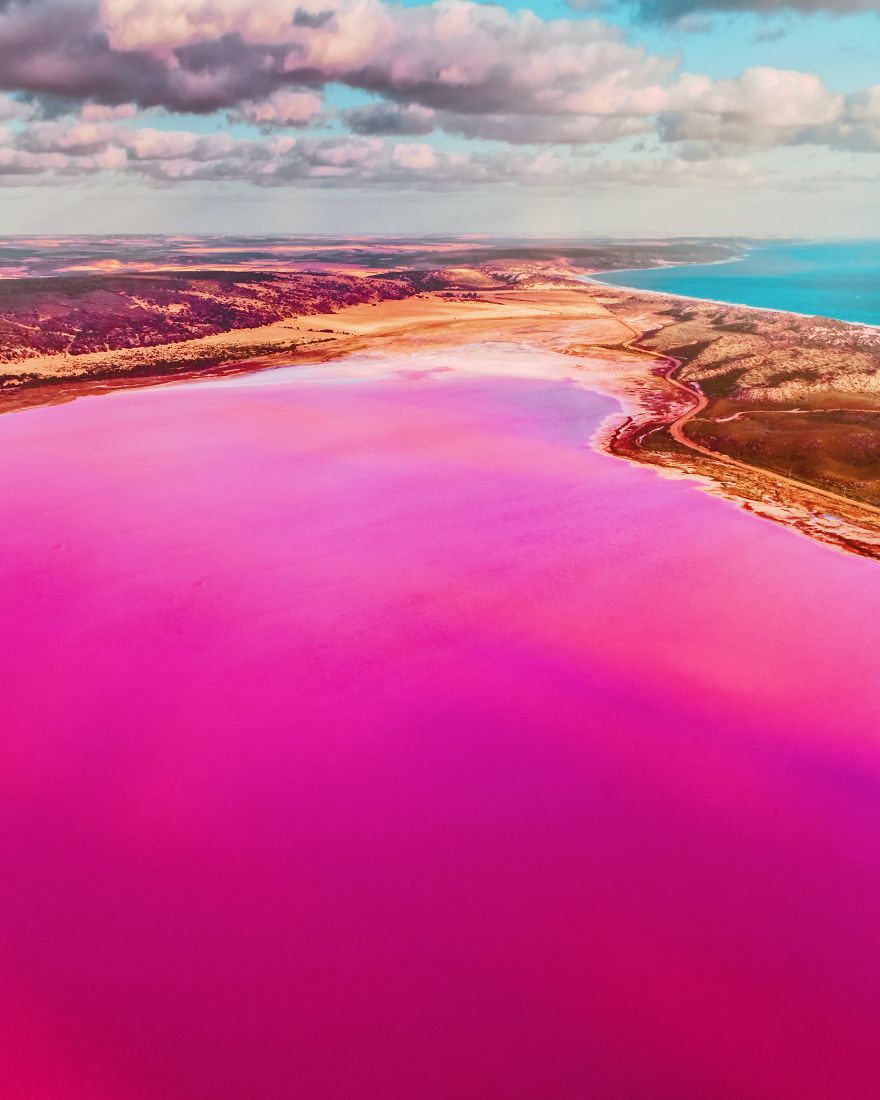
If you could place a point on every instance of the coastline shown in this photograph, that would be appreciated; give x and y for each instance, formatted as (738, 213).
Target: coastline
(724, 302)
(614, 334)
(592, 277)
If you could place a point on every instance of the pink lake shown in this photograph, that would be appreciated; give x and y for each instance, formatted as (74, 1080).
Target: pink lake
(367, 735)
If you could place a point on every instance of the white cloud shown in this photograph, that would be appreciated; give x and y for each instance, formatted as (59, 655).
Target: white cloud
(282, 109)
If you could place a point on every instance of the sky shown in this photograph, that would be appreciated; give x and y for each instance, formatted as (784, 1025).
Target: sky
(650, 117)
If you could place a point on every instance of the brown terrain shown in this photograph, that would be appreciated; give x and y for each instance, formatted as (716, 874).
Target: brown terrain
(782, 411)
(776, 411)
(78, 315)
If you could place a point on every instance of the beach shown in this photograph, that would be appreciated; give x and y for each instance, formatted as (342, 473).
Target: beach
(809, 278)
(646, 350)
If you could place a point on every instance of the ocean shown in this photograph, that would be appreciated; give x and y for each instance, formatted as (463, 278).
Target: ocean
(831, 279)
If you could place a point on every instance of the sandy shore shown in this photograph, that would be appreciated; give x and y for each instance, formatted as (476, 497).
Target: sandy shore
(607, 331)
(366, 322)
(545, 317)
(662, 295)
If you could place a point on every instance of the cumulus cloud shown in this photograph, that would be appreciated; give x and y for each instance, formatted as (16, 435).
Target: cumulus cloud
(418, 157)
(102, 112)
(203, 56)
(762, 107)
(766, 108)
(314, 20)
(12, 107)
(515, 129)
(65, 151)
(475, 71)
(283, 109)
(858, 127)
(390, 118)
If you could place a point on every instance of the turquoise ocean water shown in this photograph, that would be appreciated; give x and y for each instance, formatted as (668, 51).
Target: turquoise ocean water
(831, 279)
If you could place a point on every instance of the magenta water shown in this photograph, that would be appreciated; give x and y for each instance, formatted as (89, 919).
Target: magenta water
(367, 734)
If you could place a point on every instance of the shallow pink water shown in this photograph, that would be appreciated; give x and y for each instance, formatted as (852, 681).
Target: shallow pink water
(379, 739)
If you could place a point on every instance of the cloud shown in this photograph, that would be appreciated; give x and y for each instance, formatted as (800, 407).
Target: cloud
(585, 129)
(515, 129)
(314, 20)
(78, 72)
(390, 118)
(418, 157)
(767, 108)
(203, 56)
(283, 109)
(101, 112)
(586, 5)
(694, 23)
(762, 107)
(57, 151)
(768, 34)
(674, 10)
(11, 107)
(856, 129)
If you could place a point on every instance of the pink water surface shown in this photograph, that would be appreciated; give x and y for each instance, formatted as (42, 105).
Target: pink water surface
(377, 738)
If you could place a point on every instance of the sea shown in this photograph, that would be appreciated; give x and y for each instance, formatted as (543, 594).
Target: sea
(839, 279)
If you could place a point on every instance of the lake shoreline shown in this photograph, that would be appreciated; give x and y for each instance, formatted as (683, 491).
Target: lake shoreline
(628, 343)
(424, 703)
